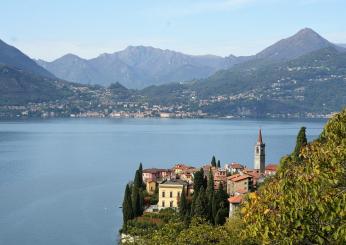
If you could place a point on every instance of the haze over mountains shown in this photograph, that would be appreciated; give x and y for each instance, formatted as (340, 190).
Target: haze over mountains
(136, 67)
(140, 66)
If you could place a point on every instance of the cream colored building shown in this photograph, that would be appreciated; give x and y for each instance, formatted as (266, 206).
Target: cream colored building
(169, 193)
(151, 187)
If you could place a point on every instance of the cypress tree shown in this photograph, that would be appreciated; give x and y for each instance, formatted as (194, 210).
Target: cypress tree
(198, 180)
(127, 206)
(214, 207)
(301, 142)
(136, 203)
(183, 203)
(220, 202)
(201, 206)
(140, 169)
(221, 216)
(210, 185)
(218, 164)
(193, 203)
(210, 195)
(213, 161)
(137, 181)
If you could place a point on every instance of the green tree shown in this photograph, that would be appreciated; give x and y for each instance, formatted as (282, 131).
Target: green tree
(198, 180)
(136, 201)
(221, 215)
(138, 180)
(183, 204)
(201, 206)
(210, 195)
(127, 206)
(213, 161)
(218, 164)
(305, 202)
(300, 142)
(140, 169)
(220, 202)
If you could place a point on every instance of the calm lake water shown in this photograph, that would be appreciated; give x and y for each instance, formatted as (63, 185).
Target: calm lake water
(62, 181)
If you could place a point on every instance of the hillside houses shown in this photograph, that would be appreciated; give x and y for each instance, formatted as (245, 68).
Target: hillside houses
(236, 179)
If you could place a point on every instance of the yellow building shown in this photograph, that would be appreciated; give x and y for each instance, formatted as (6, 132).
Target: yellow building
(151, 187)
(169, 193)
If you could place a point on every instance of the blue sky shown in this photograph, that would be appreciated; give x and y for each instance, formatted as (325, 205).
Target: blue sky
(49, 29)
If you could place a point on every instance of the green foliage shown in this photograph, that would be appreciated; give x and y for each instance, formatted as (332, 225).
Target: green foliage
(198, 180)
(127, 206)
(213, 161)
(220, 205)
(300, 143)
(201, 206)
(136, 202)
(304, 203)
(218, 164)
(183, 208)
(138, 179)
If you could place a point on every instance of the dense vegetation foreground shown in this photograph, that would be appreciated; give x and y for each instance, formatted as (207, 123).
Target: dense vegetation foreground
(304, 203)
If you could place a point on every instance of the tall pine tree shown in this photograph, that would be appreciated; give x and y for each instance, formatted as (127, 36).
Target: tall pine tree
(301, 142)
(198, 180)
(218, 164)
(210, 195)
(136, 201)
(137, 181)
(140, 169)
(127, 206)
(183, 203)
(220, 202)
(201, 205)
(213, 161)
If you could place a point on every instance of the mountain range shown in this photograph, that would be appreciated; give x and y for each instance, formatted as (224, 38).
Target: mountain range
(304, 72)
(13, 57)
(139, 66)
(136, 67)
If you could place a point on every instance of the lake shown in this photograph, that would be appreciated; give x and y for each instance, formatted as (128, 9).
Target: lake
(62, 181)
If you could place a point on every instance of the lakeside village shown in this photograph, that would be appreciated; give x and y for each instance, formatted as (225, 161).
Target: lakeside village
(212, 192)
(99, 102)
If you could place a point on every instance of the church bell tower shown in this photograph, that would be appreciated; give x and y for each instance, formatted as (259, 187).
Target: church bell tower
(260, 154)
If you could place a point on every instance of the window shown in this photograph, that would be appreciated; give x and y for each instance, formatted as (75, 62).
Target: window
(151, 188)
(257, 150)
(163, 203)
(178, 193)
(163, 194)
(171, 194)
(171, 204)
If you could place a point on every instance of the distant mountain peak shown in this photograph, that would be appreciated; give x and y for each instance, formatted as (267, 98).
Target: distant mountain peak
(304, 41)
(307, 31)
(13, 57)
(70, 56)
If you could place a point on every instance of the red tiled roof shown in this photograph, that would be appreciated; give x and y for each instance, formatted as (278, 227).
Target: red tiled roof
(236, 199)
(233, 176)
(241, 177)
(272, 167)
(255, 175)
(236, 165)
(182, 166)
(155, 170)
